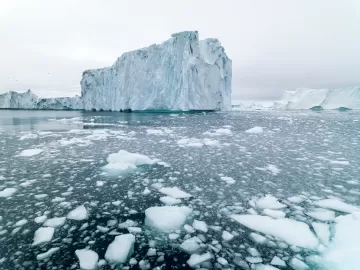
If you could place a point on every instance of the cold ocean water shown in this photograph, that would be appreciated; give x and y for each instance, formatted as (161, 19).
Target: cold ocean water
(239, 168)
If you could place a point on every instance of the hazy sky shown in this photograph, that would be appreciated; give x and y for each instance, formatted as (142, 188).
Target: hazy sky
(274, 44)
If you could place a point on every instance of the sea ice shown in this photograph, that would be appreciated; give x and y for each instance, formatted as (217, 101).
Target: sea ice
(7, 192)
(191, 245)
(274, 213)
(297, 264)
(322, 231)
(124, 160)
(269, 202)
(226, 236)
(167, 218)
(228, 179)
(47, 254)
(277, 261)
(292, 232)
(169, 200)
(174, 192)
(255, 130)
(43, 235)
(196, 259)
(88, 259)
(79, 213)
(336, 205)
(55, 222)
(120, 249)
(30, 152)
(200, 226)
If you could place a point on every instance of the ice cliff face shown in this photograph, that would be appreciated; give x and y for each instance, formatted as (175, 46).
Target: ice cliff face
(327, 99)
(182, 73)
(28, 100)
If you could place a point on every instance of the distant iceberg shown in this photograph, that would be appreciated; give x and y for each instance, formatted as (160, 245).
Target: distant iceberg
(181, 74)
(327, 99)
(28, 100)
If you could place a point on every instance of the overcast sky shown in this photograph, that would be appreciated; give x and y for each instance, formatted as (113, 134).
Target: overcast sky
(274, 44)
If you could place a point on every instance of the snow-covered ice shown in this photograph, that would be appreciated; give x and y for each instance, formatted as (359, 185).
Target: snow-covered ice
(47, 254)
(167, 218)
(191, 245)
(322, 231)
(200, 225)
(120, 249)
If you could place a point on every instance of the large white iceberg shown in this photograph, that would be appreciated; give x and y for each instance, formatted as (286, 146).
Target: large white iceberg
(28, 100)
(327, 99)
(182, 73)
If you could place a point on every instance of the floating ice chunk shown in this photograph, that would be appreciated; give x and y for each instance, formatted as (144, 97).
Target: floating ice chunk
(169, 200)
(102, 229)
(88, 259)
(128, 223)
(292, 232)
(322, 231)
(134, 229)
(55, 222)
(40, 220)
(154, 132)
(337, 205)
(46, 254)
(43, 235)
(21, 223)
(223, 131)
(79, 213)
(200, 226)
(254, 252)
(174, 192)
(40, 196)
(28, 136)
(196, 259)
(277, 261)
(99, 183)
(133, 261)
(257, 238)
(167, 218)
(30, 152)
(146, 191)
(124, 160)
(255, 130)
(173, 236)
(254, 259)
(191, 245)
(340, 162)
(269, 202)
(7, 192)
(189, 228)
(228, 180)
(120, 249)
(226, 236)
(273, 169)
(190, 142)
(265, 267)
(274, 213)
(296, 199)
(344, 249)
(297, 264)
(222, 261)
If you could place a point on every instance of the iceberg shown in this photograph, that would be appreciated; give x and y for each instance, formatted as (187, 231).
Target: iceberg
(28, 100)
(327, 99)
(180, 74)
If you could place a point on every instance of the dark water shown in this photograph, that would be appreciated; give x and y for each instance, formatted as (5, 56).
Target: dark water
(301, 145)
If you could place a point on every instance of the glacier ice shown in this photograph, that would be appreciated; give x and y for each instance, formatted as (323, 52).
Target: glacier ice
(28, 100)
(327, 99)
(180, 74)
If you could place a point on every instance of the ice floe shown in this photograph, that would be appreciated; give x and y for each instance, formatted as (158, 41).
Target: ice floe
(79, 213)
(167, 218)
(30, 152)
(336, 205)
(43, 235)
(88, 259)
(7, 192)
(291, 231)
(175, 192)
(120, 249)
